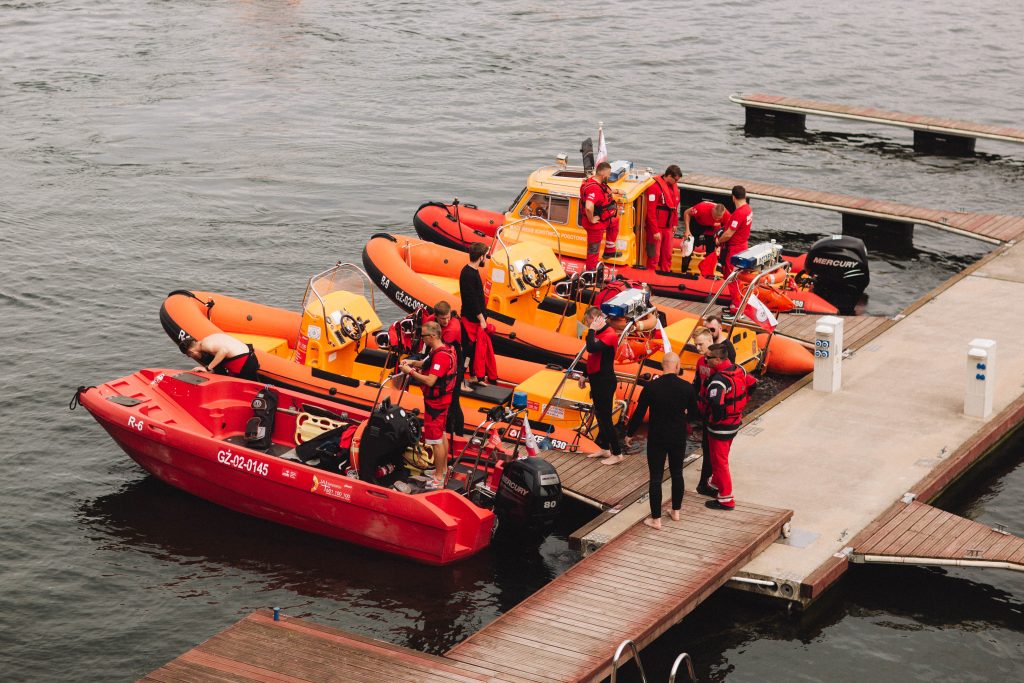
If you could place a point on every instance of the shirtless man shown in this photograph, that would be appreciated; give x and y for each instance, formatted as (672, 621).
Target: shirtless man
(222, 354)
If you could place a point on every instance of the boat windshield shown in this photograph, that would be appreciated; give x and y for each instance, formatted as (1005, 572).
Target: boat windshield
(343, 277)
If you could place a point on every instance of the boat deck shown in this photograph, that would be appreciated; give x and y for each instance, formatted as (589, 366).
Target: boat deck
(929, 124)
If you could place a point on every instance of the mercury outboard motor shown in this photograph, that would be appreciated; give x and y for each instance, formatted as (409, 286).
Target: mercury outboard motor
(839, 265)
(260, 427)
(389, 431)
(529, 496)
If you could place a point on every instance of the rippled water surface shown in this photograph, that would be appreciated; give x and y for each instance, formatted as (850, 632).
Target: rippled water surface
(240, 146)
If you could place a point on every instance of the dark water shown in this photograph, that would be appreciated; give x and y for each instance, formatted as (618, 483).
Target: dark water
(241, 146)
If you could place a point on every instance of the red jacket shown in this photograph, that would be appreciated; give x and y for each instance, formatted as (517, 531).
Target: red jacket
(662, 204)
(600, 194)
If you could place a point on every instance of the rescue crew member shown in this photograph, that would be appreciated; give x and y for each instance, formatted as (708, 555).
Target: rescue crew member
(474, 304)
(438, 382)
(724, 397)
(222, 354)
(735, 236)
(713, 322)
(703, 220)
(602, 341)
(702, 341)
(451, 334)
(599, 215)
(673, 404)
(662, 218)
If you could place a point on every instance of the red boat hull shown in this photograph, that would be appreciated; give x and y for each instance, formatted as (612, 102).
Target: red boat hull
(436, 222)
(183, 448)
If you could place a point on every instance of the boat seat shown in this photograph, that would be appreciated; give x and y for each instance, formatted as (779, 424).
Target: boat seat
(489, 393)
(275, 449)
(556, 304)
(376, 358)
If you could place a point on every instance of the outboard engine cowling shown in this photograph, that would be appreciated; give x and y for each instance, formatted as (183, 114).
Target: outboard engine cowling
(839, 265)
(260, 427)
(529, 496)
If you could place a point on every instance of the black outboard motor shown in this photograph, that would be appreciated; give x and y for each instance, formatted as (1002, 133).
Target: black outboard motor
(260, 427)
(390, 431)
(839, 265)
(529, 496)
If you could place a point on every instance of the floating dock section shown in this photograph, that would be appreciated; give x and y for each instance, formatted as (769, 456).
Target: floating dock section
(777, 114)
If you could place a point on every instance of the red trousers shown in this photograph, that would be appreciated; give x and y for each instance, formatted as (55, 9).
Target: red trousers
(659, 252)
(608, 233)
(721, 479)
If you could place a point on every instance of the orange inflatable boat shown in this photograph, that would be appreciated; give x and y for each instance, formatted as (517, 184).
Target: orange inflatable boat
(536, 309)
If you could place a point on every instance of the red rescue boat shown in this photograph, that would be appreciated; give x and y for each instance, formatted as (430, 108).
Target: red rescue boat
(190, 431)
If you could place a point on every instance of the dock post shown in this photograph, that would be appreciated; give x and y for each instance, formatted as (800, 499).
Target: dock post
(943, 144)
(770, 122)
(892, 236)
(981, 377)
(828, 354)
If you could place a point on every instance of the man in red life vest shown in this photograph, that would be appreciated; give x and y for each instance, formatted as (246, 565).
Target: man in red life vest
(599, 215)
(736, 236)
(662, 217)
(703, 220)
(222, 354)
(703, 338)
(451, 334)
(723, 398)
(602, 341)
(438, 383)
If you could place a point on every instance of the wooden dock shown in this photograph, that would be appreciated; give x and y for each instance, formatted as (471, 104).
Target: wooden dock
(923, 535)
(635, 587)
(766, 113)
(992, 228)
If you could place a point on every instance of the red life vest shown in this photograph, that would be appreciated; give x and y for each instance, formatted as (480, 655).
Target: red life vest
(604, 210)
(734, 382)
(668, 208)
(443, 386)
(595, 361)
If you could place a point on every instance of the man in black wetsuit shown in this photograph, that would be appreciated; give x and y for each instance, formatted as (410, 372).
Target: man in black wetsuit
(672, 403)
(474, 304)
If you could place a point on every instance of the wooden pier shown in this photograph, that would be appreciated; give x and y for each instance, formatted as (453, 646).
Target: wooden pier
(860, 215)
(635, 587)
(932, 134)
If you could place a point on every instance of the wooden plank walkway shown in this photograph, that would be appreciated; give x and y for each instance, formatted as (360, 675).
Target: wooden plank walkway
(801, 326)
(603, 486)
(988, 227)
(930, 124)
(635, 587)
(293, 650)
(921, 534)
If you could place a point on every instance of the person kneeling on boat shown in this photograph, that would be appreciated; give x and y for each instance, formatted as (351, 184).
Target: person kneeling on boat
(704, 220)
(723, 398)
(602, 342)
(222, 354)
(662, 218)
(438, 382)
(673, 404)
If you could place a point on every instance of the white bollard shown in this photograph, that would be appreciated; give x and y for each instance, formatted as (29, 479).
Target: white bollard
(828, 354)
(981, 377)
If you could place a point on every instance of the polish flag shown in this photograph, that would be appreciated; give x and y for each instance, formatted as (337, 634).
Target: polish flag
(666, 345)
(759, 313)
(602, 148)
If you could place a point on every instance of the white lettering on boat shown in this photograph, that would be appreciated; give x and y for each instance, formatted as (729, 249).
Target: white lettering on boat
(241, 462)
(135, 423)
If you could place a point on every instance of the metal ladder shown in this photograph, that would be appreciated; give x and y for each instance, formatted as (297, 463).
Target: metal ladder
(683, 657)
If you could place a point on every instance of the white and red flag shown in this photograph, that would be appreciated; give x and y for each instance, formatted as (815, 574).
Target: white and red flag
(602, 148)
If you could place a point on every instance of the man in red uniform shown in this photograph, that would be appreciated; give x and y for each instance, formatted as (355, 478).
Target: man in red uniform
(451, 334)
(707, 218)
(602, 341)
(662, 218)
(736, 235)
(723, 398)
(599, 215)
(438, 382)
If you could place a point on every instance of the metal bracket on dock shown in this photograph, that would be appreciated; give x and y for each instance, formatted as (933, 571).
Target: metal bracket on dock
(844, 553)
(908, 498)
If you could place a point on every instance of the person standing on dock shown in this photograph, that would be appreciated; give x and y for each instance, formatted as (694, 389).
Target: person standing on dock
(673, 405)
(713, 322)
(438, 382)
(661, 218)
(602, 341)
(703, 220)
(723, 398)
(599, 215)
(702, 341)
(736, 234)
(474, 303)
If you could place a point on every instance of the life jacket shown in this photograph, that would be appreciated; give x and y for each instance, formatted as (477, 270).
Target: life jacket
(443, 386)
(603, 211)
(596, 361)
(735, 382)
(244, 365)
(669, 201)
(702, 373)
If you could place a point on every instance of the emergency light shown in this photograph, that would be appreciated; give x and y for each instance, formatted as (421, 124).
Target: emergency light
(631, 303)
(758, 256)
(518, 399)
(619, 169)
